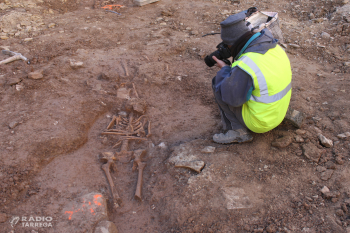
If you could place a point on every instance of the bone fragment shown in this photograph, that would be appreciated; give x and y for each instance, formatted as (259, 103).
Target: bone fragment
(149, 129)
(15, 56)
(193, 165)
(115, 121)
(137, 95)
(109, 158)
(125, 68)
(138, 158)
(140, 167)
(124, 155)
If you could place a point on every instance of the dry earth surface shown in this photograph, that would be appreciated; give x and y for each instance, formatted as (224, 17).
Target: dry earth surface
(85, 64)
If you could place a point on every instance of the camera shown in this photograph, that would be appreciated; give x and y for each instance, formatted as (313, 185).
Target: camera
(222, 53)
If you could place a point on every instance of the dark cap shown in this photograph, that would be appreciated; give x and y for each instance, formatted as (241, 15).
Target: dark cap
(233, 28)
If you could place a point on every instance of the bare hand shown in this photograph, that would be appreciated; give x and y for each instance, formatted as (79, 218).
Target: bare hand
(219, 63)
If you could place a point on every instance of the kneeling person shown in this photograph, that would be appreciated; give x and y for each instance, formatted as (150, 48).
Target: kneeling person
(254, 93)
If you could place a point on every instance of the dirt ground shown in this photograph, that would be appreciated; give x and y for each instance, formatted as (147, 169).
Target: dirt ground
(54, 111)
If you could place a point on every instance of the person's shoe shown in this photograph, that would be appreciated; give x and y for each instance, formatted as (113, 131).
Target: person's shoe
(231, 136)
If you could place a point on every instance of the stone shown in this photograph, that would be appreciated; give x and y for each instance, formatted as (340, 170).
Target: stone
(123, 93)
(343, 135)
(208, 149)
(4, 37)
(36, 75)
(298, 138)
(13, 124)
(162, 145)
(311, 15)
(194, 32)
(294, 46)
(193, 165)
(300, 132)
(51, 25)
(325, 189)
(106, 227)
(311, 152)
(144, 2)
(346, 63)
(282, 142)
(295, 117)
(325, 35)
(318, 131)
(28, 39)
(325, 141)
(3, 217)
(326, 175)
(14, 81)
(76, 64)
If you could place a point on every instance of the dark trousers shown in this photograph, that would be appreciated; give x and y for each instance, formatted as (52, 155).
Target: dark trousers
(231, 117)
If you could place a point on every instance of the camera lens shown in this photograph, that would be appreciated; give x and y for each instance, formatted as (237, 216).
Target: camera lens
(209, 61)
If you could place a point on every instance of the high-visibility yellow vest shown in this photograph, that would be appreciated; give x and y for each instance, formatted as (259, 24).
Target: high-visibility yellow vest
(271, 74)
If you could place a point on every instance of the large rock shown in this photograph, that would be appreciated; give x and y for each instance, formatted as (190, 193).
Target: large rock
(312, 152)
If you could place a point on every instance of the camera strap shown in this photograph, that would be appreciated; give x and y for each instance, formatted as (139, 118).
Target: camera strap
(256, 35)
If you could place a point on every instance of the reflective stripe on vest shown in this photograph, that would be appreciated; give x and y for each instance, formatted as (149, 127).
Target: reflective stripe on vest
(264, 94)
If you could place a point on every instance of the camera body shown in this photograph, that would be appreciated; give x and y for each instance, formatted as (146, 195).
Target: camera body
(222, 53)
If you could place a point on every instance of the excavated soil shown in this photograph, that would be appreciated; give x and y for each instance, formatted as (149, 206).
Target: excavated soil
(51, 126)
